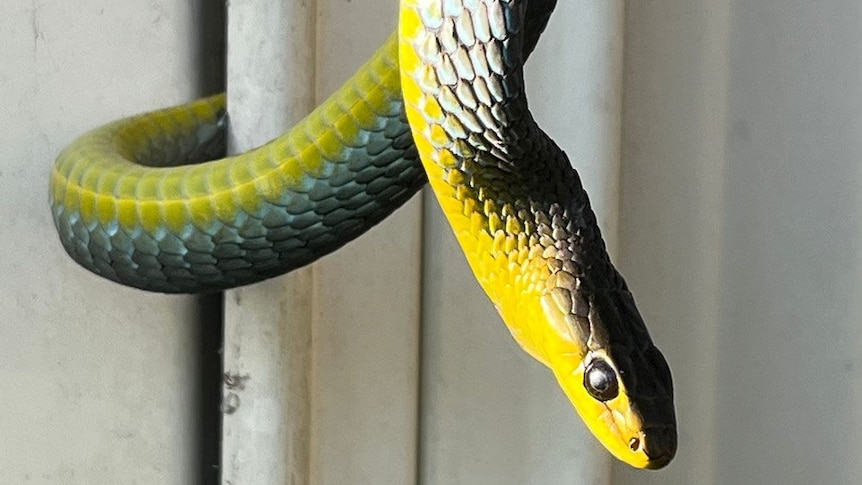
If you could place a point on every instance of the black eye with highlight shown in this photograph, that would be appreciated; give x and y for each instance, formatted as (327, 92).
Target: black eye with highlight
(600, 380)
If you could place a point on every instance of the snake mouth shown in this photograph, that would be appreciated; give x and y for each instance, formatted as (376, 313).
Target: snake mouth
(659, 446)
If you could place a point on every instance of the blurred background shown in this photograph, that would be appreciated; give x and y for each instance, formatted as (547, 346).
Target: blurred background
(719, 140)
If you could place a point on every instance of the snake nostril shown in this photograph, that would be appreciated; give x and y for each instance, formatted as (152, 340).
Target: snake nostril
(634, 443)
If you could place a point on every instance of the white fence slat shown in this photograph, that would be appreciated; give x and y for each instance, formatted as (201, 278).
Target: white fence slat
(366, 309)
(358, 319)
(270, 61)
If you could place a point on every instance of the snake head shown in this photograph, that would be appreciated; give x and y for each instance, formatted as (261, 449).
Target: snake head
(618, 381)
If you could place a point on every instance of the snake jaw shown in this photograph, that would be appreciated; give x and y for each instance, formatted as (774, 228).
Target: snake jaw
(589, 328)
(636, 424)
(615, 422)
(612, 422)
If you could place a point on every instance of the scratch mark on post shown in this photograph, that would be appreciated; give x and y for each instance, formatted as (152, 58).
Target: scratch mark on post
(34, 23)
(235, 381)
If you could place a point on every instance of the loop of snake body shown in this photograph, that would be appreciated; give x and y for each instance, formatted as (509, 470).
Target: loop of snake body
(443, 101)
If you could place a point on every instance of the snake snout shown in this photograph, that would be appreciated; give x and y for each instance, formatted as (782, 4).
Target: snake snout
(659, 445)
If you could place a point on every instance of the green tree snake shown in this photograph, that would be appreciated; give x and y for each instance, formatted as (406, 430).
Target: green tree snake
(443, 101)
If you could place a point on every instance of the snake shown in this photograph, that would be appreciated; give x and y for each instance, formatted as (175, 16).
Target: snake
(146, 202)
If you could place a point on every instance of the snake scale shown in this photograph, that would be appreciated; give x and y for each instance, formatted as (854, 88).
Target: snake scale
(141, 202)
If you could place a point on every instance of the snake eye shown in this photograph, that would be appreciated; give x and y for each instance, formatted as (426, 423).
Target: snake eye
(601, 380)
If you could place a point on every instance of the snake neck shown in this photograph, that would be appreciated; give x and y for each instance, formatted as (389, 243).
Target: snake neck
(517, 207)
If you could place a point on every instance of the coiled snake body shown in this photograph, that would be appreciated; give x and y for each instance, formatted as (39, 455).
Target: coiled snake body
(131, 203)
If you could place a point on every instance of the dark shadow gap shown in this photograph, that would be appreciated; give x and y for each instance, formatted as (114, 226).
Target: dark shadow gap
(209, 337)
(421, 364)
(209, 45)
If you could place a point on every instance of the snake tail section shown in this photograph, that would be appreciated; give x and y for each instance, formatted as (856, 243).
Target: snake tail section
(235, 221)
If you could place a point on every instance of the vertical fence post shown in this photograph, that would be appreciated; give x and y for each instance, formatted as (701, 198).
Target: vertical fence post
(270, 86)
